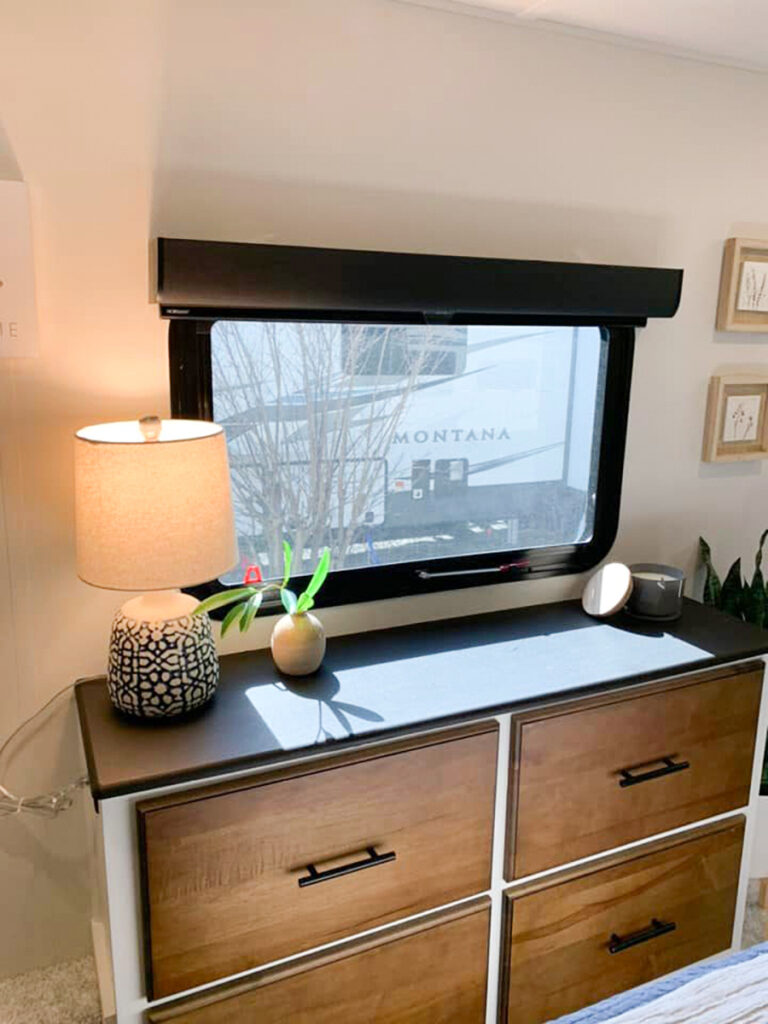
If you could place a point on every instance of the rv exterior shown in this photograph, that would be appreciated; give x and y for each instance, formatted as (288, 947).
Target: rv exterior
(413, 442)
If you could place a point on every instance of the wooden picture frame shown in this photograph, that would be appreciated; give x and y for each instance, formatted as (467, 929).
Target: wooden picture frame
(736, 425)
(743, 300)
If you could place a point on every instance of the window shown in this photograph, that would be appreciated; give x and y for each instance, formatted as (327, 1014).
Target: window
(425, 457)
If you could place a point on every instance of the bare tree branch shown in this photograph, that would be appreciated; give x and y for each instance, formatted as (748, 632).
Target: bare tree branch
(308, 437)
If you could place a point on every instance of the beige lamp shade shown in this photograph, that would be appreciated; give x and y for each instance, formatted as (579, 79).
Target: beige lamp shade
(153, 508)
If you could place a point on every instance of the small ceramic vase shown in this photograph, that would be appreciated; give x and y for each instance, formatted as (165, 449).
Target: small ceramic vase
(298, 644)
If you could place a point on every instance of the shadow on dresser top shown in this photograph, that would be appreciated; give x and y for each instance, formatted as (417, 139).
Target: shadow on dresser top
(395, 681)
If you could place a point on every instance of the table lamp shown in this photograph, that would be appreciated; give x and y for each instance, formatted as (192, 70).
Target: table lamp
(153, 512)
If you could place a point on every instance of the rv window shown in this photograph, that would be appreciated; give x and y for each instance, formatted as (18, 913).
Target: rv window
(423, 457)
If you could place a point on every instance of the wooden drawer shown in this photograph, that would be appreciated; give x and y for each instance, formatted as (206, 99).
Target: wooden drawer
(240, 875)
(432, 971)
(570, 796)
(657, 912)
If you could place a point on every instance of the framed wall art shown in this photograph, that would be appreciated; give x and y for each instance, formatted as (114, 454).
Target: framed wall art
(736, 426)
(743, 301)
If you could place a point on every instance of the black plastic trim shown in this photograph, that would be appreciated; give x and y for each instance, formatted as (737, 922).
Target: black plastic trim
(189, 355)
(191, 397)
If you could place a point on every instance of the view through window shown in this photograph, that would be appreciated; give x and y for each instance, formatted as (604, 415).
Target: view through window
(394, 444)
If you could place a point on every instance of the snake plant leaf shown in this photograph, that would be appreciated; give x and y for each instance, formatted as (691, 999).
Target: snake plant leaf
(252, 605)
(232, 617)
(224, 598)
(712, 585)
(289, 601)
(731, 598)
(320, 573)
(755, 598)
(759, 555)
(755, 603)
(287, 559)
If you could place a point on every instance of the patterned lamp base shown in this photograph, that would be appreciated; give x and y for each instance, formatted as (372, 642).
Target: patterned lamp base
(161, 667)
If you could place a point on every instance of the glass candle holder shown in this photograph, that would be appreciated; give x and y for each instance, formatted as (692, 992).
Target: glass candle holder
(657, 591)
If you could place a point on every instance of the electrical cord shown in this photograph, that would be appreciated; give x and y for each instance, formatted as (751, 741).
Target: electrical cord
(46, 805)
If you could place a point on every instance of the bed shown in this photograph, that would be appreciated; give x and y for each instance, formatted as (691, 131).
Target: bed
(730, 990)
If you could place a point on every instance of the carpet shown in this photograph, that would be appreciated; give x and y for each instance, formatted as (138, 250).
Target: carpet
(63, 994)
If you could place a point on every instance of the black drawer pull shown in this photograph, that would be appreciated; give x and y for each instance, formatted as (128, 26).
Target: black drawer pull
(370, 861)
(670, 766)
(656, 928)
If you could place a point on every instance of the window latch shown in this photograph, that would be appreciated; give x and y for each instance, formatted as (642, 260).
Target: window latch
(507, 567)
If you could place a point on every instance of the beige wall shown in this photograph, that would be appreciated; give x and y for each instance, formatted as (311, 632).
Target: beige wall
(350, 123)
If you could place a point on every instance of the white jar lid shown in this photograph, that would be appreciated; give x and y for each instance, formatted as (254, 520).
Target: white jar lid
(607, 591)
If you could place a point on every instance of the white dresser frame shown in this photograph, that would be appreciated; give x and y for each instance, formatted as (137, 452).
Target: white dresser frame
(117, 912)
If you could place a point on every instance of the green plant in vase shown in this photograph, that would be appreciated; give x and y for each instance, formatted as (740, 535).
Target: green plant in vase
(298, 638)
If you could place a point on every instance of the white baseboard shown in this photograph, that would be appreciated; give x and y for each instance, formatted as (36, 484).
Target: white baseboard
(103, 972)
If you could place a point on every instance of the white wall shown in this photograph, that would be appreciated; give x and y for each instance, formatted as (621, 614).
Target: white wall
(345, 123)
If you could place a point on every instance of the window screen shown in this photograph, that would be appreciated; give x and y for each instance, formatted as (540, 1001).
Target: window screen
(407, 444)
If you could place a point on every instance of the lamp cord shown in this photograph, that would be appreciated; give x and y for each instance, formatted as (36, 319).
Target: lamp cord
(46, 805)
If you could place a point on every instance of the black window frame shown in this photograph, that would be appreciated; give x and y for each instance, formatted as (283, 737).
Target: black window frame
(192, 398)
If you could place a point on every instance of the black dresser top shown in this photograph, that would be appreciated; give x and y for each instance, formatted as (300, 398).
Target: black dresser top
(395, 680)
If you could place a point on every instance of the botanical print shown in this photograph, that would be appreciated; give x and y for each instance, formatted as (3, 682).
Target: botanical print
(742, 415)
(753, 288)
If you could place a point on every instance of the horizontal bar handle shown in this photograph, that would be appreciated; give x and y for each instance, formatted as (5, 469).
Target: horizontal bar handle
(370, 861)
(656, 928)
(669, 767)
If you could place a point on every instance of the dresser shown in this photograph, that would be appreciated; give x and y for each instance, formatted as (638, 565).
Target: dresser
(498, 818)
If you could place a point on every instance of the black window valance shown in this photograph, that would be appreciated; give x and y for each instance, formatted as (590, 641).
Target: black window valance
(234, 280)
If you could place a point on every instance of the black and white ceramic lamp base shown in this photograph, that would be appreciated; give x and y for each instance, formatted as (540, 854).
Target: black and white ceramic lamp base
(161, 667)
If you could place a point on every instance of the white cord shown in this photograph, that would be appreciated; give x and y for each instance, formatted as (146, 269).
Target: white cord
(46, 805)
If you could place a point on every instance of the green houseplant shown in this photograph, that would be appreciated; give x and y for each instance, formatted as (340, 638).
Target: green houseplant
(744, 599)
(747, 600)
(298, 638)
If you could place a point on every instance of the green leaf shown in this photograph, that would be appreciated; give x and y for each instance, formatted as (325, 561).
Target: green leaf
(232, 616)
(320, 573)
(755, 598)
(731, 598)
(759, 555)
(755, 603)
(305, 603)
(287, 559)
(251, 607)
(289, 601)
(712, 585)
(221, 600)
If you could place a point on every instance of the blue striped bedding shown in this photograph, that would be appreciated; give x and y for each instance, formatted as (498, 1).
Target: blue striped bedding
(604, 1012)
